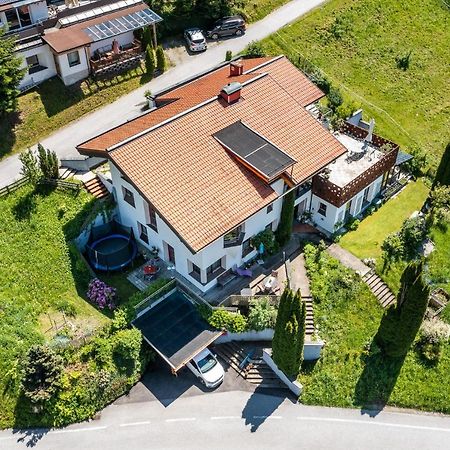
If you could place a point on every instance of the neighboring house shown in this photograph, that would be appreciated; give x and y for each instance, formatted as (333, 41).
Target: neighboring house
(207, 169)
(75, 39)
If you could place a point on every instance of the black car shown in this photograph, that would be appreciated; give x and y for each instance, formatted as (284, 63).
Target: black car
(227, 26)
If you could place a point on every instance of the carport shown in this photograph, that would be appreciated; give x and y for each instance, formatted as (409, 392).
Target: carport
(175, 330)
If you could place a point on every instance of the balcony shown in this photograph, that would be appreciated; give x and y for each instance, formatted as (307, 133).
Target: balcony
(106, 60)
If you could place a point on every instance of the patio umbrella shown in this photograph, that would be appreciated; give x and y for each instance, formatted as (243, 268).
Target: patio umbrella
(261, 248)
(115, 47)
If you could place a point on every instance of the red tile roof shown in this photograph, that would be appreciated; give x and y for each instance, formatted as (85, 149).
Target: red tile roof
(196, 185)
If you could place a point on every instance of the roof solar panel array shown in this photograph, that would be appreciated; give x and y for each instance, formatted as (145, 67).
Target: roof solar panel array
(254, 150)
(122, 24)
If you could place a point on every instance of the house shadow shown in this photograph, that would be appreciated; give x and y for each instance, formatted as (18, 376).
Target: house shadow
(262, 404)
(7, 134)
(56, 97)
(377, 380)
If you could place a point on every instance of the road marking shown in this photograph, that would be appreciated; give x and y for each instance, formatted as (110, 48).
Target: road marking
(134, 424)
(77, 430)
(380, 424)
(267, 417)
(225, 417)
(182, 419)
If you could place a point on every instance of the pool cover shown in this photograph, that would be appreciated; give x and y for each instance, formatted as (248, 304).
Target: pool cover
(175, 329)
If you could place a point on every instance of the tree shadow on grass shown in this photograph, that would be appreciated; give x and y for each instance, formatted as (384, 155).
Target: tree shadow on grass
(27, 204)
(377, 380)
(7, 135)
(24, 414)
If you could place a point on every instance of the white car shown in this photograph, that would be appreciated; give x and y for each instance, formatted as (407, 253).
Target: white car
(207, 369)
(195, 40)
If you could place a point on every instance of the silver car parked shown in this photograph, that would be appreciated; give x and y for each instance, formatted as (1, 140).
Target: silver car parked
(195, 39)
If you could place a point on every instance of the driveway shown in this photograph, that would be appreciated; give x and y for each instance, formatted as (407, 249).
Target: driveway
(130, 106)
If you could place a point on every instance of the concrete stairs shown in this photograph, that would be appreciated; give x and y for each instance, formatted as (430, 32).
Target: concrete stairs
(254, 369)
(95, 187)
(66, 172)
(309, 322)
(379, 288)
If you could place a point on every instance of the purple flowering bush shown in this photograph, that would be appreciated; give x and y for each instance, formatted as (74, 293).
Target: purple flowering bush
(101, 294)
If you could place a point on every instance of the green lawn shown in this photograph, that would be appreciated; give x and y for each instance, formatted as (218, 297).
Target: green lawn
(346, 375)
(40, 277)
(52, 105)
(356, 43)
(439, 260)
(365, 242)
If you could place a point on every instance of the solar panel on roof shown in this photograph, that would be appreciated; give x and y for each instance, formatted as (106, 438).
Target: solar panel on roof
(254, 150)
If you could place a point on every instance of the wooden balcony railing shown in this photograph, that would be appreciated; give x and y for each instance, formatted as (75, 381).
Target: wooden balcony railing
(110, 59)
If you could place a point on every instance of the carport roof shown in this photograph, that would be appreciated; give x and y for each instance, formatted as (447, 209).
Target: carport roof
(175, 329)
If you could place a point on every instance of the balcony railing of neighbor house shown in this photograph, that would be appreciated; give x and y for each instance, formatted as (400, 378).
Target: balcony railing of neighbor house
(337, 195)
(108, 60)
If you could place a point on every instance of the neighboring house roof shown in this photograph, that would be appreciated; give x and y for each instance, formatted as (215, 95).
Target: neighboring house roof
(74, 36)
(193, 182)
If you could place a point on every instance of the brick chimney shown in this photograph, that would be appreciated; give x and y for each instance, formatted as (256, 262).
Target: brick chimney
(236, 68)
(231, 92)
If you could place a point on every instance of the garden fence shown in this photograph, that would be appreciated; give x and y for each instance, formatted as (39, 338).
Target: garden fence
(13, 187)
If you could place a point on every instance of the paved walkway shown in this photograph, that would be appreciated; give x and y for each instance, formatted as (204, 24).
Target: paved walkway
(348, 260)
(130, 106)
(298, 277)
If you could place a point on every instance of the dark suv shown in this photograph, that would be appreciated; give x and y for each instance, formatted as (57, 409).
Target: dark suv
(228, 26)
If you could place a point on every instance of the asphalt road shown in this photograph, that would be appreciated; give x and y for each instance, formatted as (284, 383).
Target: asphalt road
(239, 420)
(131, 105)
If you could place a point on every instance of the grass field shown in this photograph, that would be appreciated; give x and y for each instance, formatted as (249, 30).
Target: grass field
(40, 278)
(365, 242)
(356, 44)
(347, 375)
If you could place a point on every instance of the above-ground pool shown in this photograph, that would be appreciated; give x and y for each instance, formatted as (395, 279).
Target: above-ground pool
(113, 252)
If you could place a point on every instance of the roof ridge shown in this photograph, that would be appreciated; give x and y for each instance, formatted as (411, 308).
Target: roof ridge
(177, 116)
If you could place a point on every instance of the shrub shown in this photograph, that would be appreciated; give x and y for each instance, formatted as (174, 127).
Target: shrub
(30, 166)
(221, 319)
(267, 238)
(412, 233)
(417, 165)
(48, 163)
(101, 294)
(392, 248)
(262, 315)
(289, 336)
(41, 374)
(228, 55)
(340, 27)
(150, 63)
(432, 336)
(404, 61)
(402, 321)
(335, 99)
(353, 224)
(284, 230)
(255, 50)
(126, 350)
(119, 321)
(161, 63)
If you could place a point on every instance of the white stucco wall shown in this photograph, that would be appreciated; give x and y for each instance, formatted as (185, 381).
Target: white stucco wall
(230, 256)
(334, 214)
(71, 75)
(45, 57)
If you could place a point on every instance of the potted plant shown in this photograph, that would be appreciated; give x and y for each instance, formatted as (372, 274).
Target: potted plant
(154, 251)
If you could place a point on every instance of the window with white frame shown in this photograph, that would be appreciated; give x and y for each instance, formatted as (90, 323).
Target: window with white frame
(214, 267)
(128, 196)
(322, 209)
(269, 208)
(143, 233)
(73, 58)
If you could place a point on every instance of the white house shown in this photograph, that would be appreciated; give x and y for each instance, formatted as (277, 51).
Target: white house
(207, 169)
(75, 39)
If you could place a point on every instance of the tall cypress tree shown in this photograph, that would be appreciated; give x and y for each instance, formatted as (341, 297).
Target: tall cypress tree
(443, 172)
(284, 230)
(289, 336)
(150, 62)
(401, 322)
